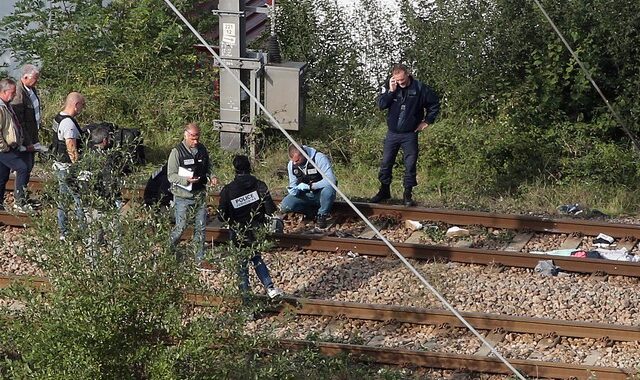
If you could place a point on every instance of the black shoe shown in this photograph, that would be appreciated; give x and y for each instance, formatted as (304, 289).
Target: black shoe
(321, 221)
(407, 199)
(383, 194)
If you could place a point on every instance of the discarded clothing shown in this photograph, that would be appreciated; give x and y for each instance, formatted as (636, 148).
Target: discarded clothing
(617, 254)
(547, 268)
(586, 254)
(603, 239)
(557, 252)
(571, 209)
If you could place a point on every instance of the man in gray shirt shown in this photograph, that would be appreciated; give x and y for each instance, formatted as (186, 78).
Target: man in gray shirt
(189, 171)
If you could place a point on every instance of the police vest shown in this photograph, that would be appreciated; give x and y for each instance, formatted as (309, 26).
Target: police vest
(307, 174)
(246, 203)
(59, 147)
(197, 164)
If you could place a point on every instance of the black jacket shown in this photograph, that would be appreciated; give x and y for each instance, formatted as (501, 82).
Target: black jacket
(245, 202)
(409, 106)
(26, 113)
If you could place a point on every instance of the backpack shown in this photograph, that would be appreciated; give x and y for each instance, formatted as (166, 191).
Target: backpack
(157, 191)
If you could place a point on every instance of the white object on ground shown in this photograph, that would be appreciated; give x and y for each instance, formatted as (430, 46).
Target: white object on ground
(412, 225)
(456, 231)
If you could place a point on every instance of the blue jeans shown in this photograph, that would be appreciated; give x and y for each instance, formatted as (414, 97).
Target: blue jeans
(65, 191)
(184, 207)
(258, 264)
(261, 271)
(392, 144)
(310, 202)
(13, 161)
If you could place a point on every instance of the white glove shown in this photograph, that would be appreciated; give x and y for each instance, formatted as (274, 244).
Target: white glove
(303, 187)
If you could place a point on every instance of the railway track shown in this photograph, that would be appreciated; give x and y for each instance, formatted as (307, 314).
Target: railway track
(418, 251)
(455, 217)
(548, 332)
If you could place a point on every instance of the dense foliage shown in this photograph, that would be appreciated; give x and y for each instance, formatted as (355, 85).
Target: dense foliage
(133, 60)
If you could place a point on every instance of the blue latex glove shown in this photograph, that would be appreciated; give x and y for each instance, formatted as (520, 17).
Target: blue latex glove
(293, 190)
(303, 187)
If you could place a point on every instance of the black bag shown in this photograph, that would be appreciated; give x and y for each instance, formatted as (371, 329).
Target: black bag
(157, 189)
(131, 140)
(127, 140)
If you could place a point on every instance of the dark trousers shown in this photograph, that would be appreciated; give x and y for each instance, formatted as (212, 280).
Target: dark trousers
(392, 144)
(29, 159)
(13, 161)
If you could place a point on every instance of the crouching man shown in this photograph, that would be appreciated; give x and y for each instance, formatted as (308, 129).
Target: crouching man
(309, 193)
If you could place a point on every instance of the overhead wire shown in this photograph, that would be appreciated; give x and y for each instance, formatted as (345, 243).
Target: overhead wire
(275, 123)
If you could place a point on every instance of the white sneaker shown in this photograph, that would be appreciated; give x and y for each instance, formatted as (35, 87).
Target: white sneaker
(24, 209)
(274, 292)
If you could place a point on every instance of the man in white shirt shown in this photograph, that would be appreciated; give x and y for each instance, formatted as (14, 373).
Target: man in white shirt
(66, 148)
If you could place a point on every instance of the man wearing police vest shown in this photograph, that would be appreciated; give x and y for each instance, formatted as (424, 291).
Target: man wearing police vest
(309, 193)
(189, 171)
(244, 205)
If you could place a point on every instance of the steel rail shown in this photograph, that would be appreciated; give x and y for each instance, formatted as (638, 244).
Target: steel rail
(405, 314)
(457, 254)
(13, 219)
(458, 217)
(482, 321)
(416, 251)
(30, 281)
(483, 364)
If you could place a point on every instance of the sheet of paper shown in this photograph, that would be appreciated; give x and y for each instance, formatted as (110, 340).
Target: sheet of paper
(184, 172)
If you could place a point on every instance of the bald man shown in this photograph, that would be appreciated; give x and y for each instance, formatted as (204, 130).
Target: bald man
(66, 137)
(67, 130)
(189, 172)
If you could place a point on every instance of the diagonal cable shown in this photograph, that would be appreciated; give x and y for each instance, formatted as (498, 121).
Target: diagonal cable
(344, 197)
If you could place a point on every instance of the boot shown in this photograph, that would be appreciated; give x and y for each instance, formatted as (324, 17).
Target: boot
(407, 198)
(322, 221)
(383, 194)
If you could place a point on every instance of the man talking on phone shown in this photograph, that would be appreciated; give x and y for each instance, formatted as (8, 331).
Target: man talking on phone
(411, 108)
(189, 171)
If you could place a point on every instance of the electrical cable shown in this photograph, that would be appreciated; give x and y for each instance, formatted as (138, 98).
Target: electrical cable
(344, 197)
